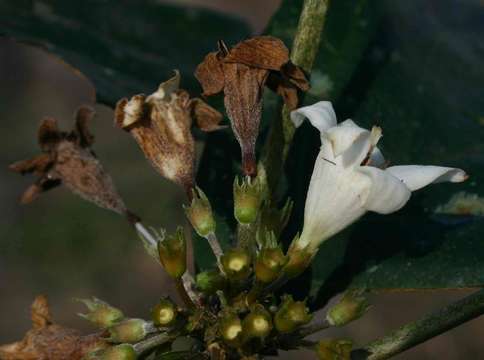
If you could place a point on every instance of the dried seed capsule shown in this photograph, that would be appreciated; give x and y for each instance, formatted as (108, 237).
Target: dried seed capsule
(350, 307)
(164, 313)
(291, 315)
(236, 264)
(258, 323)
(101, 313)
(173, 254)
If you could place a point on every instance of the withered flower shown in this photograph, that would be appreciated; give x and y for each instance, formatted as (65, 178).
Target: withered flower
(67, 159)
(47, 340)
(161, 125)
(241, 74)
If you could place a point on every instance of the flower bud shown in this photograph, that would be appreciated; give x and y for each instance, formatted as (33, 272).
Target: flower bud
(350, 307)
(258, 323)
(333, 349)
(119, 352)
(269, 264)
(164, 313)
(210, 281)
(199, 213)
(236, 264)
(247, 200)
(231, 329)
(100, 313)
(298, 260)
(173, 254)
(129, 331)
(291, 315)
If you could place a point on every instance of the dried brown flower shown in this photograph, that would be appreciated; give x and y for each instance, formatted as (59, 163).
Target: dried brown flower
(49, 341)
(161, 125)
(68, 159)
(241, 74)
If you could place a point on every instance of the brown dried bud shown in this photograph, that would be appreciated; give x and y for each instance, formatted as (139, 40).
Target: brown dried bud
(47, 340)
(161, 125)
(241, 74)
(67, 159)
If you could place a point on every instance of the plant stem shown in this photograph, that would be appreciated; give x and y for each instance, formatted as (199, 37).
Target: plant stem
(151, 342)
(304, 50)
(216, 248)
(424, 329)
(146, 234)
(314, 328)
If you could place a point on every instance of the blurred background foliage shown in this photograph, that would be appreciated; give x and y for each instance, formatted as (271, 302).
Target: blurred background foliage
(415, 68)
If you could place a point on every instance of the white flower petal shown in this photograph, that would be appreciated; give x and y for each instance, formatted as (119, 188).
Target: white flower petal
(344, 135)
(418, 176)
(377, 159)
(387, 193)
(321, 115)
(333, 200)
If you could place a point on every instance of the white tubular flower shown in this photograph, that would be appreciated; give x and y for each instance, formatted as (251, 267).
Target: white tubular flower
(350, 178)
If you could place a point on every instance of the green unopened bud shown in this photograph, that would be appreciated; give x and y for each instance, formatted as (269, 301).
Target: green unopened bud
(200, 214)
(230, 328)
(164, 313)
(291, 315)
(101, 313)
(247, 200)
(258, 323)
(298, 260)
(129, 331)
(119, 352)
(236, 264)
(334, 349)
(210, 281)
(269, 264)
(173, 254)
(350, 307)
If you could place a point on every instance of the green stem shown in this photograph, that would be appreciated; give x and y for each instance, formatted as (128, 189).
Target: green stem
(151, 342)
(424, 329)
(304, 50)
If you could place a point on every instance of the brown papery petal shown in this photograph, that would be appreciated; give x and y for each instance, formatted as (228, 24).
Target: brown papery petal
(129, 112)
(210, 74)
(296, 76)
(81, 131)
(84, 175)
(34, 190)
(48, 134)
(284, 88)
(37, 165)
(48, 341)
(243, 102)
(207, 118)
(265, 52)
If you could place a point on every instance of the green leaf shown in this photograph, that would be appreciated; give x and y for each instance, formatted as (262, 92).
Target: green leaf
(124, 47)
(425, 91)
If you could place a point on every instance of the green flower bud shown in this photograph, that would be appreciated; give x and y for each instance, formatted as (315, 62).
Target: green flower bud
(291, 315)
(230, 327)
(164, 313)
(129, 331)
(173, 254)
(258, 323)
(269, 264)
(236, 264)
(334, 349)
(101, 313)
(200, 214)
(298, 260)
(119, 352)
(247, 200)
(350, 307)
(210, 281)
